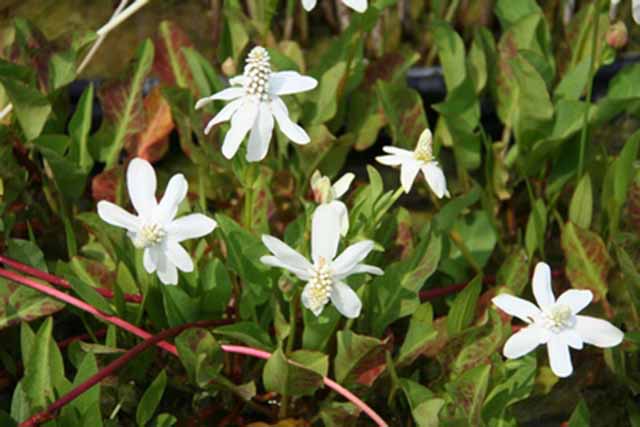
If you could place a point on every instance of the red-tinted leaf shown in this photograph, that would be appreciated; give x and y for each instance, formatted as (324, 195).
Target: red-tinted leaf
(152, 143)
(170, 64)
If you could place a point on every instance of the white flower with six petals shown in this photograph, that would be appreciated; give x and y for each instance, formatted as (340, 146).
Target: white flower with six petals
(555, 323)
(325, 193)
(154, 229)
(325, 275)
(255, 102)
(357, 5)
(412, 162)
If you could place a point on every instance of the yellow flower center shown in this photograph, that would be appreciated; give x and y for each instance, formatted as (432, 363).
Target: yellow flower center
(321, 284)
(558, 317)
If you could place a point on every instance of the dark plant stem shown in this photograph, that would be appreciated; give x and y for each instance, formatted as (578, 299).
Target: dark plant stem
(50, 412)
(57, 281)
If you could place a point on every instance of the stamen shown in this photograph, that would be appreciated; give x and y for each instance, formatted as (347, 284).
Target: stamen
(558, 318)
(257, 71)
(149, 235)
(321, 285)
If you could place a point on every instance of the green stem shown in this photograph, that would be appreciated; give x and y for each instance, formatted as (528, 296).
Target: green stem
(592, 70)
(248, 197)
(288, 22)
(293, 326)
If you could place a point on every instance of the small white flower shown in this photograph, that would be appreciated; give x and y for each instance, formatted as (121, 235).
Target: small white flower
(412, 162)
(325, 276)
(635, 10)
(154, 229)
(555, 323)
(255, 102)
(325, 193)
(357, 5)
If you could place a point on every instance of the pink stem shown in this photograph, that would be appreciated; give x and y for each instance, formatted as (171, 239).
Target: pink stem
(253, 352)
(52, 292)
(60, 282)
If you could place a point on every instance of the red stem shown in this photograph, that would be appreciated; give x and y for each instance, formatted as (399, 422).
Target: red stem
(118, 363)
(60, 282)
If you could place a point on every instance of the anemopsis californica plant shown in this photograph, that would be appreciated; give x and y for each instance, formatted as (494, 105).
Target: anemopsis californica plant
(555, 323)
(412, 162)
(325, 193)
(357, 5)
(154, 229)
(255, 102)
(325, 276)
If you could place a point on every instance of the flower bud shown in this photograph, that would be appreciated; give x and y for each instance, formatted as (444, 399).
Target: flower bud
(617, 35)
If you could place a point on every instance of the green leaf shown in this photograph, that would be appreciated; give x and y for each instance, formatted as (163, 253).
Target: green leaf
(69, 177)
(581, 206)
(151, 399)
(62, 69)
(200, 354)
(469, 392)
(404, 111)
(425, 406)
(420, 333)
(37, 378)
(144, 60)
(510, 11)
(287, 378)
(587, 258)
(248, 333)
(90, 399)
(515, 382)
(624, 168)
(326, 105)
(464, 307)
(164, 420)
(179, 306)
(536, 228)
(215, 288)
(31, 107)
(514, 271)
(79, 128)
(360, 359)
(580, 416)
(90, 295)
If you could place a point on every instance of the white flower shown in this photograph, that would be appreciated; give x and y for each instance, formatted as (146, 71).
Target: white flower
(154, 229)
(411, 162)
(357, 5)
(255, 102)
(325, 193)
(556, 323)
(635, 10)
(325, 276)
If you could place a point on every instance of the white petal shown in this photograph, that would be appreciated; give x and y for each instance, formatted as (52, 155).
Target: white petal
(408, 172)
(141, 183)
(435, 178)
(517, 307)
(346, 300)
(241, 122)
(277, 262)
(115, 215)
(288, 257)
(179, 256)
(398, 151)
(390, 160)
(289, 82)
(524, 341)
(294, 132)
(174, 195)
(343, 215)
(576, 299)
(225, 95)
(572, 338)
(357, 5)
(542, 285)
(306, 301)
(190, 227)
(635, 10)
(598, 332)
(325, 234)
(166, 271)
(559, 356)
(224, 115)
(342, 185)
(351, 256)
(425, 138)
(260, 136)
(308, 4)
(148, 261)
(238, 80)
(365, 268)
